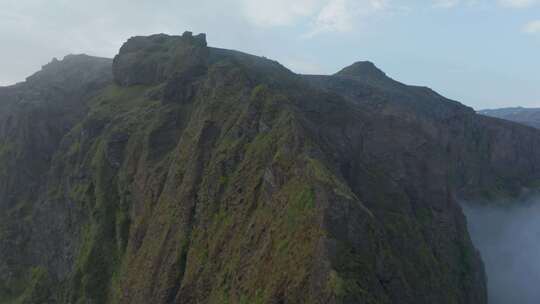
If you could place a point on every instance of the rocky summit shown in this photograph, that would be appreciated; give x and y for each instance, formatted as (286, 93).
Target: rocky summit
(183, 173)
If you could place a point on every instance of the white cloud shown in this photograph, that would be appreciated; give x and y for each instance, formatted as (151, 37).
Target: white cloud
(455, 3)
(268, 13)
(342, 15)
(502, 3)
(321, 15)
(532, 27)
(518, 3)
(446, 3)
(335, 16)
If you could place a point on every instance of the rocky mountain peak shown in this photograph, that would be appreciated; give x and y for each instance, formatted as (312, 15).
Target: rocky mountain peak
(153, 59)
(72, 69)
(364, 69)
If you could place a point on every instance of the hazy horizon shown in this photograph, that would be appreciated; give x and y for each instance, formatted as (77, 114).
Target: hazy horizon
(460, 48)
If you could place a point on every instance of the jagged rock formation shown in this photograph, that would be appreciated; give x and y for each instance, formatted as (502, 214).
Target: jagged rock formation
(526, 116)
(191, 174)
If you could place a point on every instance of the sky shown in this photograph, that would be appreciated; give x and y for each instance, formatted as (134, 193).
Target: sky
(483, 53)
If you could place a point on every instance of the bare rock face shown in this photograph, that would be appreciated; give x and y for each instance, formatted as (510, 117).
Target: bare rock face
(157, 58)
(203, 175)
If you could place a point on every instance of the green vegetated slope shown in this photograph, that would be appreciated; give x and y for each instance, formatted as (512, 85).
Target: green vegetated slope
(34, 117)
(202, 175)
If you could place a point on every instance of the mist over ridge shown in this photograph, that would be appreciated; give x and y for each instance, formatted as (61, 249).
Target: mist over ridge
(508, 238)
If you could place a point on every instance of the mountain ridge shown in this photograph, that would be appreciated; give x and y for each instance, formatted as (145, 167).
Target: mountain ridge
(526, 116)
(190, 174)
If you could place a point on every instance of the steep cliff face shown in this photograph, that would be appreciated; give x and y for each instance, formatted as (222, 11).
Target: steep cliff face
(526, 116)
(484, 156)
(202, 175)
(34, 117)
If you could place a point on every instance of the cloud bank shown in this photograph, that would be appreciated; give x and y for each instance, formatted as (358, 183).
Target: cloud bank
(509, 241)
(532, 27)
(518, 3)
(502, 3)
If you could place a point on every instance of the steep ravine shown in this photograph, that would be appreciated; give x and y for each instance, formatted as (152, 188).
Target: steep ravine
(184, 173)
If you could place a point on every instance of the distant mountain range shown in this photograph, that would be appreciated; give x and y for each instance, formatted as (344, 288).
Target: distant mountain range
(526, 116)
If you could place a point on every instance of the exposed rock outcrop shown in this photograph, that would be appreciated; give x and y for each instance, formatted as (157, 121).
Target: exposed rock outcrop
(155, 59)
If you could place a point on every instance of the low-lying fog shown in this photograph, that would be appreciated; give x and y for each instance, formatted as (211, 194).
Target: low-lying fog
(509, 241)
